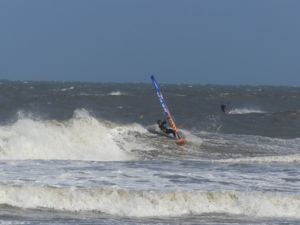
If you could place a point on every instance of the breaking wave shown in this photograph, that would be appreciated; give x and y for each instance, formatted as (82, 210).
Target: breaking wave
(123, 202)
(245, 111)
(83, 137)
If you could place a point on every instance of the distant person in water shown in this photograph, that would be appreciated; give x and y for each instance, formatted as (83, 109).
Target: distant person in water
(163, 127)
(224, 108)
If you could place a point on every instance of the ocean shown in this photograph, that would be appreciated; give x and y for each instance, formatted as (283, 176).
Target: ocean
(91, 153)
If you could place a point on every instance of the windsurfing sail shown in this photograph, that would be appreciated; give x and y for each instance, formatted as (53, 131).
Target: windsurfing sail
(168, 115)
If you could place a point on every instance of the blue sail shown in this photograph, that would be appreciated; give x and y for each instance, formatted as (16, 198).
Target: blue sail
(163, 104)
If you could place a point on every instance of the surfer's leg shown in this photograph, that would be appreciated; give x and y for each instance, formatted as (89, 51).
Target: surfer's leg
(171, 131)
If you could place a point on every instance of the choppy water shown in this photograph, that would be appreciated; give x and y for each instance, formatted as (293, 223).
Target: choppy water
(80, 153)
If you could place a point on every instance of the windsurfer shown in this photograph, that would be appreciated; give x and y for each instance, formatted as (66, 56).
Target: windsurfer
(163, 127)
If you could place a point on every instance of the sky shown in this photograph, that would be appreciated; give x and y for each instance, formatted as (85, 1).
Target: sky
(228, 42)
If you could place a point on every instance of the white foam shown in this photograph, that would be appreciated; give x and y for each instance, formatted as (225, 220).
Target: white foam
(67, 89)
(13, 222)
(117, 93)
(127, 136)
(195, 140)
(244, 111)
(124, 202)
(81, 138)
(265, 159)
(224, 94)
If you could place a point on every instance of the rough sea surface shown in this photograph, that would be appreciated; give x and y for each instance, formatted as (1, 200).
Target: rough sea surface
(87, 153)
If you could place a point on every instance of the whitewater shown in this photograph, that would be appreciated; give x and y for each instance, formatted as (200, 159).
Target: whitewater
(85, 153)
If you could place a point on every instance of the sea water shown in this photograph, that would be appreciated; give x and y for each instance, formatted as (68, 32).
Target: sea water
(87, 153)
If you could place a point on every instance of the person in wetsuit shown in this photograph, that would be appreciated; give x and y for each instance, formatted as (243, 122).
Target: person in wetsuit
(163, 127)
(224, 108)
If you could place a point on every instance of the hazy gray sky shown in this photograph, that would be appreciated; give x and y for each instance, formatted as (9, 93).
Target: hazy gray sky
(187, 41)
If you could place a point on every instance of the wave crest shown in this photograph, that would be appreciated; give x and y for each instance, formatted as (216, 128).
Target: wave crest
(124, 202)
(245, 111)
(83, 137)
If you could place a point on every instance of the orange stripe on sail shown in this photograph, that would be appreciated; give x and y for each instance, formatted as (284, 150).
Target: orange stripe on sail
(172, 123)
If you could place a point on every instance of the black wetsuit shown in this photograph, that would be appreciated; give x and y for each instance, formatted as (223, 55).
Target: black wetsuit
(223, 108)
(164, 128)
